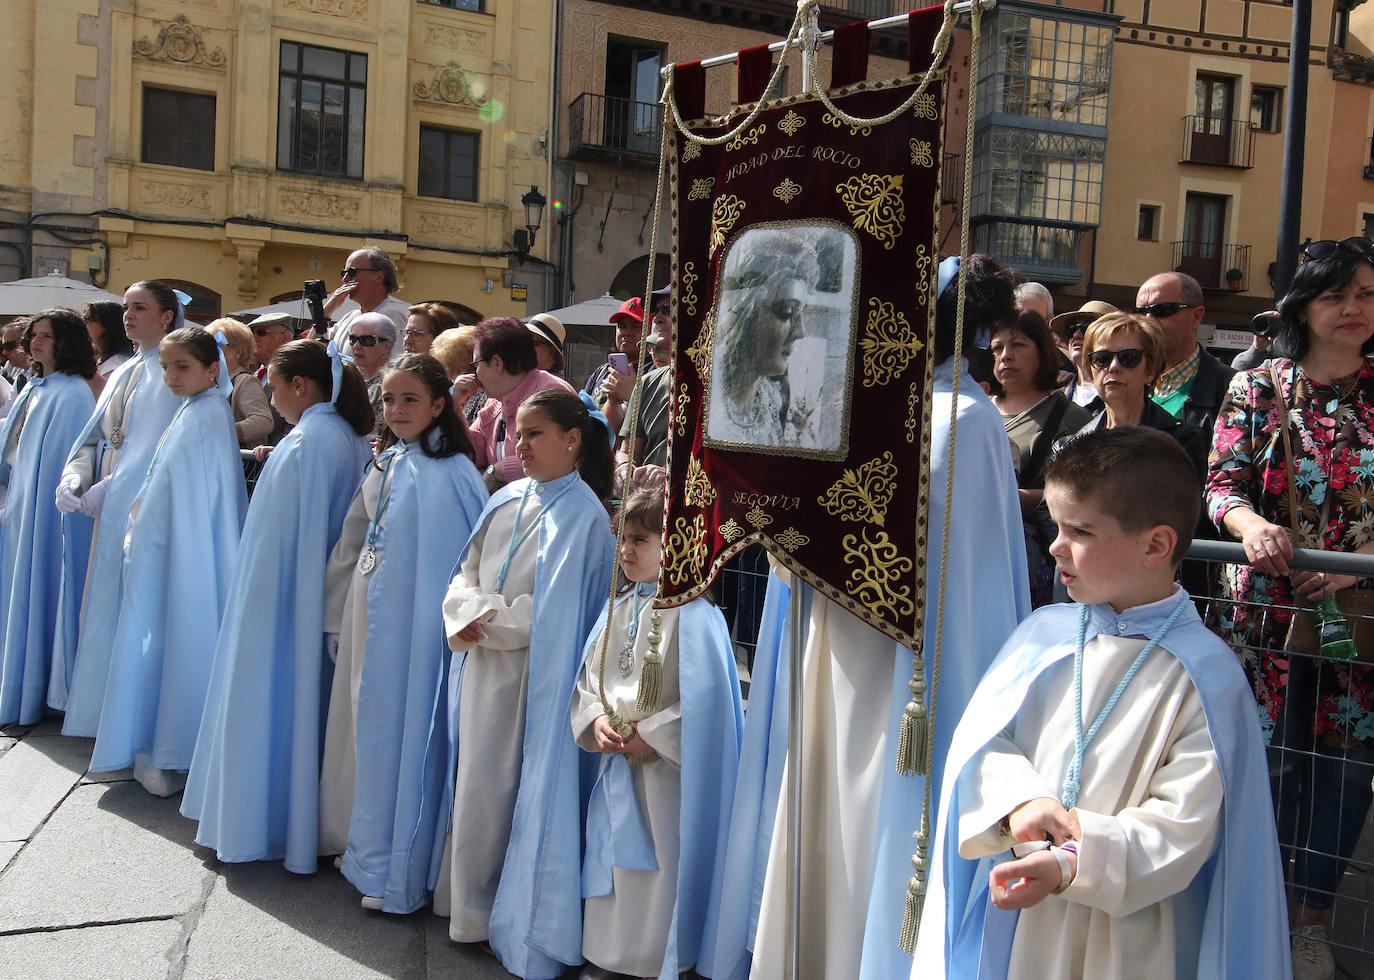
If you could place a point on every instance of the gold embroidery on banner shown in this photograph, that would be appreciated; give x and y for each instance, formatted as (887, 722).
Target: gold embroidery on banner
(724, 213)
(837, 122)
(787, 191)
(700, 352)
(747, 139)
(691, 151)
(685, 550)
(680, 412)
(913, 402)
(862, 494)
(689, 282)
(758, 517)
(920, 153)
(925, 107)
(792, 539)
(889, 345)
(701, 188)
(790, 123)
(731, 531)
(875, 201)
(923, 264)
(880, 566)
(697, 491)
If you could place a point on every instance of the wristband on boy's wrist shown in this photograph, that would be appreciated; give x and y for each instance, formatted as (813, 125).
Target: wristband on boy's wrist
(1067, 869)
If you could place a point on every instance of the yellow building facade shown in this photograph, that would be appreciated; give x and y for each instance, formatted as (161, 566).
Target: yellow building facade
(244, 147)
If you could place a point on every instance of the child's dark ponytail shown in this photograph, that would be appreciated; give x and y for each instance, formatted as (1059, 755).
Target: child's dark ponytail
(447, 434)
(309, 359)
(567, 411)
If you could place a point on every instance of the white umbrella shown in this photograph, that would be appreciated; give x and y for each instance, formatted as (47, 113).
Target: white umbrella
(293, 307)
(593, 312)
(24, 296)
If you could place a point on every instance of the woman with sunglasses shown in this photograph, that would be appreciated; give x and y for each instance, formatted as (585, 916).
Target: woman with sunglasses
(1318, 714)
(371, 338)
(1035, 414)
(1123, 353)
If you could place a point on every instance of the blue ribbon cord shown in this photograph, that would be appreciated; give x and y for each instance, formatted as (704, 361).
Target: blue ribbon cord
(337, 360)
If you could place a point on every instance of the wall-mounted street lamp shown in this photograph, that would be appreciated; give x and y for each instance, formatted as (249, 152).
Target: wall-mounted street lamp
(534, 217)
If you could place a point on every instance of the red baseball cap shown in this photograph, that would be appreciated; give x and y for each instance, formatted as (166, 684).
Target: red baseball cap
(633, 308)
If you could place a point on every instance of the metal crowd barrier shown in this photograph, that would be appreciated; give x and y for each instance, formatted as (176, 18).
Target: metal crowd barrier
(1324, 784)
(252, 469)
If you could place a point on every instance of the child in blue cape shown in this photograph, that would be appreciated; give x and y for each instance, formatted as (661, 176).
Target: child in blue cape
(254, 782)
(1113, 748)
(385, 750)
(106, 467)
(660, 701)
(181, 549)
(533, 578)
(40, 428)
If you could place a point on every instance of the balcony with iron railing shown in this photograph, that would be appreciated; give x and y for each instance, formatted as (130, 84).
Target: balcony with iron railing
(1218, 142)
(952, 180)
(603, 127)
(1215, 265)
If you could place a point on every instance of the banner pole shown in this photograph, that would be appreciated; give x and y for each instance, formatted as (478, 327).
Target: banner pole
(810, 40)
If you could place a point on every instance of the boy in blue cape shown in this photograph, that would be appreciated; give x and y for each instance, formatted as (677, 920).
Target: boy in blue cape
(1113, 748)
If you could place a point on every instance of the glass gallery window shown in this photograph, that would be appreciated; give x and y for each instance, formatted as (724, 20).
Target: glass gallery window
(321, 111)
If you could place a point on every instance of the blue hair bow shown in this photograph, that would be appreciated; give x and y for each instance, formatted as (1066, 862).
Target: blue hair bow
(183, 301)
(337, 360)
(597, 414)
(226, 384)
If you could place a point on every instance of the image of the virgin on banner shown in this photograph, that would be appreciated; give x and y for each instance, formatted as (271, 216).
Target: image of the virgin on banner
(803, 303)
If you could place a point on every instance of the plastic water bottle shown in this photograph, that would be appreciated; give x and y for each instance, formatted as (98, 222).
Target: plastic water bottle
(1334, 631)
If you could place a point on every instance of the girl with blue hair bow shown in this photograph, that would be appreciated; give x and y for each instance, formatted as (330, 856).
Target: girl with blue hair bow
(254, 781)
(105, 468)
(180, 551)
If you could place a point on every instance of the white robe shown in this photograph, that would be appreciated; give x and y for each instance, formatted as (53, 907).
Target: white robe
(346, 615)
(627, 931)
(1149, 807)
(491, 719)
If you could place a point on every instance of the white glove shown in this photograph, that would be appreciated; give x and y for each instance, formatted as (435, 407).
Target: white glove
(91, 501)
(331, 646)
(67, 500)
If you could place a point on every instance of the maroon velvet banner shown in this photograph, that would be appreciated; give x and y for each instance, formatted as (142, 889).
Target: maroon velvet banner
(803, 268)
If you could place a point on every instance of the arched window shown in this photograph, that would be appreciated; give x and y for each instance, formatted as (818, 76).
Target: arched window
(629, 281)
(205, 302)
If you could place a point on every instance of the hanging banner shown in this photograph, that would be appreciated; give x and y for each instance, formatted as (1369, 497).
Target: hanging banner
(803, 264)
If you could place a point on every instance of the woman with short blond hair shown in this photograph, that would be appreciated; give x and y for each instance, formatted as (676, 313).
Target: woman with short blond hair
(453, 349)
(425, 323)
(254, 422)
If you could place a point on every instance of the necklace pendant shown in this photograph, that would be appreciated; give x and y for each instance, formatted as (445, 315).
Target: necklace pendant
(117, 437)
(367, 561)
(627, 660)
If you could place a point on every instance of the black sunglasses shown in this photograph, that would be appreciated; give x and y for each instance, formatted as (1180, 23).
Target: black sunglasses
(368, 341)
(10, 345)
(264, 331)
(1316, 251)
(1129, 357)
(351, 272)
(1161, 310)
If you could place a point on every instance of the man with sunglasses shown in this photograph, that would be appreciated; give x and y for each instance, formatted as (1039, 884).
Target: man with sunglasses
(369, 279)
(16, 368)
(1193, 383)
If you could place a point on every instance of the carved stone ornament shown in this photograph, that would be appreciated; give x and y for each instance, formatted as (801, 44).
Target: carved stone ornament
(314, 204)
(455, 39)
(448, 225)
(351, 9)
(451, 85)
(187, 197)
(180, 42)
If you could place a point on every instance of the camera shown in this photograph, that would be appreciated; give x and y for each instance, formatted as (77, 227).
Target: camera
(1265, 325)
(315, 293)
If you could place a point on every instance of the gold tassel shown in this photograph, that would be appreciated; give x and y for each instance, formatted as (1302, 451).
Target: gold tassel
(915, 895)
(912, 737)
(651, 676)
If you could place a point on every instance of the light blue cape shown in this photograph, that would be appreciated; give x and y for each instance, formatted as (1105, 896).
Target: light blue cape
(254, 781)
(536, 923)
(432, 507)
(182, 553)
(1233, 920)
(987, 595)
(97, 597)
(712, 728)
(32, 558)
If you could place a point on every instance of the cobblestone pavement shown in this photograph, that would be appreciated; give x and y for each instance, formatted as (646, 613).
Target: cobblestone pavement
(101, 881)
